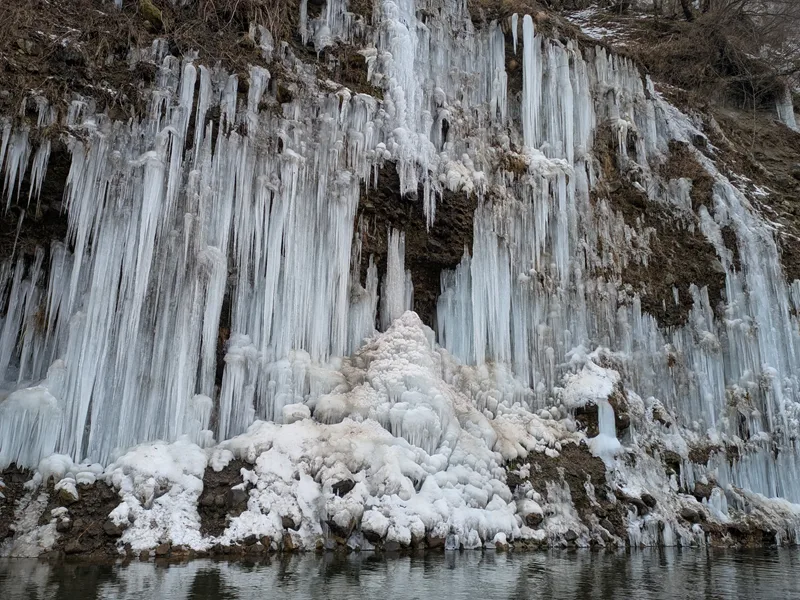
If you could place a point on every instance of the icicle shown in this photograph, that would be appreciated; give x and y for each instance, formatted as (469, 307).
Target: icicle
(514, 29)
(395, 291)
(38, 170)
(16, 162)
(531, 83)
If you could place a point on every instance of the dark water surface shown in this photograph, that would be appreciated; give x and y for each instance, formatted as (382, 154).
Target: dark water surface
(657, 573)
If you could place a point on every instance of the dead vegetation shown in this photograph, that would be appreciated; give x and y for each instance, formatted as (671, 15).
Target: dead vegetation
(57, 49)
(486, 11)
(740, 52)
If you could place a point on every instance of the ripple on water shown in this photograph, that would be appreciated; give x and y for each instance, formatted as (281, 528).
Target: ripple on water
(641, 574)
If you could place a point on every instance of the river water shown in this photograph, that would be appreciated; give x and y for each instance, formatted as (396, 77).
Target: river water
(641, 574)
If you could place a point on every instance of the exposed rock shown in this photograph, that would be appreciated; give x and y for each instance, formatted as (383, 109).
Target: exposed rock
(84, 531)
(63, 525)
(112, 529)
(342, 488)
(343, 530)
(533, 520)
(701, 454)
(14, 480)
(213, 503)
(68, 495)
(663, 417)
(74, 547)
(427, 252)
(372, 536)
(570, 536)
(288, 522)
(672, 462)
(575, 466)
(433, 541)
(163, 549)
(649, 500)
(587, 415)
(236, 498)
(288, 543)
(680, 255)
(689, 514)
(641, 508)
(702, 490)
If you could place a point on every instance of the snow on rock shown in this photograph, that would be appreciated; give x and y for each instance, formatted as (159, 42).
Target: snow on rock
(592, 384)
(67, 490)
(58, 467)
(159, 484)
(30, 539)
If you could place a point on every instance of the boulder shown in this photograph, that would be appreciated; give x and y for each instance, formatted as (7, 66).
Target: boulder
(63, 525)
(236, 497)
(163, 549)
(342, 488)
(288, 543)
(288, 522)
(690, 514)
(533, 520)
(73, 547)
(112, 529)
(649, 500)
(67, 492)
(433, 541)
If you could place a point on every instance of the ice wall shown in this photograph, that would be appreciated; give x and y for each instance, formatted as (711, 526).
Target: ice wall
(179, 222)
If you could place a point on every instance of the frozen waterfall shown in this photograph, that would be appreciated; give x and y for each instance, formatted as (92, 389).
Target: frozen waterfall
(181, 223)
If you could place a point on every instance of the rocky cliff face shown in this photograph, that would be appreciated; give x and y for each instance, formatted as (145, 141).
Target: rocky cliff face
(220, 217)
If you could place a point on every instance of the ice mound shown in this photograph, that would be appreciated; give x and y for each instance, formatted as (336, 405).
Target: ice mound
(417, 455)
(159, 485)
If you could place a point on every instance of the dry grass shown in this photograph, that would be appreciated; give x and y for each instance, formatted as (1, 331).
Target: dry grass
(56, 48)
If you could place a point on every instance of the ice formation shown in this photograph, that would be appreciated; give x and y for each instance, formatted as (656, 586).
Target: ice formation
(109, 355)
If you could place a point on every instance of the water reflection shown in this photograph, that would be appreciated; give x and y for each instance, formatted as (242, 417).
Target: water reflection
(657, 573)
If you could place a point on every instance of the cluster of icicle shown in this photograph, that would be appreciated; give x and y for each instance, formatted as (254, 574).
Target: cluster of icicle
(116, 342)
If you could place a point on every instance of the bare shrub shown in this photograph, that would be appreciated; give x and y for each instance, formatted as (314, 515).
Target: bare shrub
(744, 50)
(276, 15)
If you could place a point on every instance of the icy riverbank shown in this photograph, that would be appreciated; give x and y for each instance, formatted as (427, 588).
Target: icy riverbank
(399, 456)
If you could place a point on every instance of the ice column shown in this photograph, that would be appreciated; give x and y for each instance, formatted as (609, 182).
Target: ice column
(397, 289)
